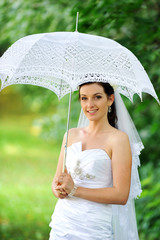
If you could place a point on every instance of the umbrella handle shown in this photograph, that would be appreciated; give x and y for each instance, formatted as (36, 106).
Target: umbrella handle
(77, 22)
(68, 120)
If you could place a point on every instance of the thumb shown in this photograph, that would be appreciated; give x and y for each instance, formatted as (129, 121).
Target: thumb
(56, 181)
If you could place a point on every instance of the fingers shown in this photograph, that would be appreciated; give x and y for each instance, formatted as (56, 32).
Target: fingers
(57, 187)
(63, 184)
(65, 187)
(63, 177)
(61, 193)
(60, 179)
(55, 181)
(60, 189)
(62, 196)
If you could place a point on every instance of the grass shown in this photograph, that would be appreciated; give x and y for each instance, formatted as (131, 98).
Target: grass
(27, 167)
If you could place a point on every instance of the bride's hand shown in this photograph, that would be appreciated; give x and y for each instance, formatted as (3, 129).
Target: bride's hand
(59, 193)
(66, 182)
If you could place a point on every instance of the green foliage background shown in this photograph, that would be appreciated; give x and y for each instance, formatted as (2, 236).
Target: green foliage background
(133, 23)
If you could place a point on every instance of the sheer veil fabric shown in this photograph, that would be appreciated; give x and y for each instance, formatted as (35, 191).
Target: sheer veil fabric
(124, 216)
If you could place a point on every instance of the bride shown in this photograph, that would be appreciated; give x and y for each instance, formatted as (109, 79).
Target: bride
(97, 174)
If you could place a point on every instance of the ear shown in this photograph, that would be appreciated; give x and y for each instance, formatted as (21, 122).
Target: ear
(110, 99)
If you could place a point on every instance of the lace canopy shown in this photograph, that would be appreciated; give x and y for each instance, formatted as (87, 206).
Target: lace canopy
(61, 60)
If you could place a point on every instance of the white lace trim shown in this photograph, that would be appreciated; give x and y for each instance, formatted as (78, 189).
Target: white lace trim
(58, 61)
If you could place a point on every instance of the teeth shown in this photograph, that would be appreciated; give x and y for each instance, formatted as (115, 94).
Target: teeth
(92, 111)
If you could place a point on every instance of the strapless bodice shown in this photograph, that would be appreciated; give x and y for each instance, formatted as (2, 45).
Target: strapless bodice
(89, 168)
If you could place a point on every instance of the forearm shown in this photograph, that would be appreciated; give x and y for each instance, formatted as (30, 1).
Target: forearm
(109, 195)
(102, 195)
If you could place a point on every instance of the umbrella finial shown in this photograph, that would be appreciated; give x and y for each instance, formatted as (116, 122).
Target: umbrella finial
(77, 22)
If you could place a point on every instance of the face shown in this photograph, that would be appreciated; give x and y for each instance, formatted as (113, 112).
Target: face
(94, 101)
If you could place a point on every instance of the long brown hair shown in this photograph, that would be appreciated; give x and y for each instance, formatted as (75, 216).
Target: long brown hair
(108, 89)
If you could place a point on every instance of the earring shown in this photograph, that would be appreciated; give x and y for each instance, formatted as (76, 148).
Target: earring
(109, 109)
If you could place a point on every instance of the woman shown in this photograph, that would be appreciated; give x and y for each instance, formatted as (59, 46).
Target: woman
(98, 171)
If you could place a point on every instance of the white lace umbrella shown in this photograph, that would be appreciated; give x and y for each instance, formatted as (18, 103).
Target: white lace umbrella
(61, 61)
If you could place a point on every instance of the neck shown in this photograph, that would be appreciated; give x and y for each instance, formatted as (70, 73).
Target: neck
(99, 126)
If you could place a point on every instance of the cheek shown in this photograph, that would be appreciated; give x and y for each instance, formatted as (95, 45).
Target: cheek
(82, 104)
(105, 107)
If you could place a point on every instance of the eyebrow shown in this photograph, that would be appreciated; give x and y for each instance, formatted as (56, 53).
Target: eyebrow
(93, 94)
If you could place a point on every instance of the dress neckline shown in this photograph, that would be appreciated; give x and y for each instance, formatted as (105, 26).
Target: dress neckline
(91, 149)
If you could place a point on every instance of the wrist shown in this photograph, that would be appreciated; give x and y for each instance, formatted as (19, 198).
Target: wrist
(78, 192)
(73, 191)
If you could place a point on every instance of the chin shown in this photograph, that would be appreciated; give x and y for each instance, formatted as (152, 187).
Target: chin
(93, 118)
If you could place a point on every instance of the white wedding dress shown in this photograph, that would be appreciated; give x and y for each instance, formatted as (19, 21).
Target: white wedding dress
(79, 219)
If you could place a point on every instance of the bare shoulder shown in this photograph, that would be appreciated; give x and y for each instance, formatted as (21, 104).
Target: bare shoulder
(119, 137)
(120, 146)
(74, 134)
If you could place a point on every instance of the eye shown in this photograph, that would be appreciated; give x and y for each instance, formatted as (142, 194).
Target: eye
(98, 97)
(83, 98)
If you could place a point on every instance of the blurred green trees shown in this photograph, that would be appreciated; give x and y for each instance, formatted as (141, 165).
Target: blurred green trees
(134, 24)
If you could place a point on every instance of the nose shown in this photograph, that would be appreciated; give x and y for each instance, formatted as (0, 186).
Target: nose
(90, 103)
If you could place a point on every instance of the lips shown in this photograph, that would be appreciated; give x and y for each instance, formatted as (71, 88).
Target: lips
(92, 111)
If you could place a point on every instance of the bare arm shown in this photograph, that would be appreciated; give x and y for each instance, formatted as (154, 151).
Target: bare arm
(121, 170)
(56, 180)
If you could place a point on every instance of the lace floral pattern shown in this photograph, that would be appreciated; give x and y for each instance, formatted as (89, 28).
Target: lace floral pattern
(61, 60)
(78, 172)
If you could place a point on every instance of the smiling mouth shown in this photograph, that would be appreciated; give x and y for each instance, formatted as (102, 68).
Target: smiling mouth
(92, 111)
